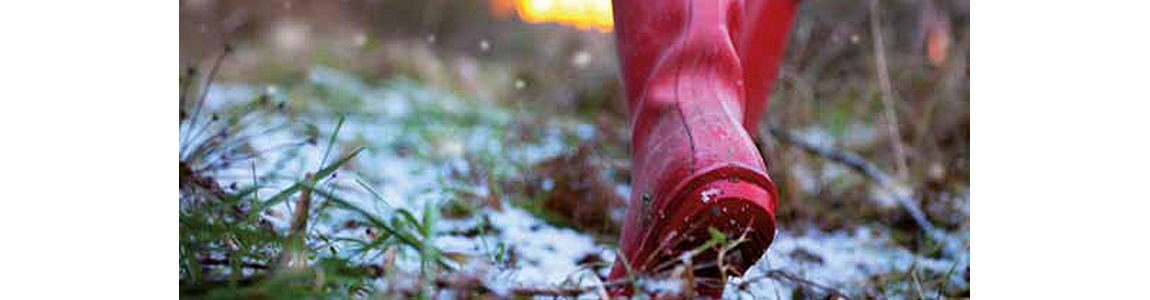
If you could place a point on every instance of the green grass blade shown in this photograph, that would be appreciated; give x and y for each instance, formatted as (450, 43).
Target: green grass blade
(283, 195)
(402, 236)
(331, 141)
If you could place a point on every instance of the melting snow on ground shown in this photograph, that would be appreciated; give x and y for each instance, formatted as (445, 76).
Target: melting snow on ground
(546, 255)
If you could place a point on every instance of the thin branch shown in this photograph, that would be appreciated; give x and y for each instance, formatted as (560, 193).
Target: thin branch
(860, 164)
(551, 292)
(781, 275)
(225, 262)
(917, 285)
(887, 92)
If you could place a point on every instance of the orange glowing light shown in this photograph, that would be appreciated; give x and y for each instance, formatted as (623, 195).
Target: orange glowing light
(583, 14)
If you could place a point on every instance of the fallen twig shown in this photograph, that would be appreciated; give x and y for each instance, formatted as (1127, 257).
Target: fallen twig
(781, 275)
(858, 163)
(225, 262)
(552, 292)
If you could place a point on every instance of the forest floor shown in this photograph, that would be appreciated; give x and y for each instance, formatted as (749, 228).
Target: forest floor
(469, 174)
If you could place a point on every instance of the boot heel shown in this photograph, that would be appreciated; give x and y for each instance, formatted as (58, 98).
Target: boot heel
(737, 208)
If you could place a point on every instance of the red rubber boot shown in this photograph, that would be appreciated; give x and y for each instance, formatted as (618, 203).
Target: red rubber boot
(689, 67)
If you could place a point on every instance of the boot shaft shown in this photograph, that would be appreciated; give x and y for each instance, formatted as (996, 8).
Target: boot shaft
(762, 44)
(647, 32)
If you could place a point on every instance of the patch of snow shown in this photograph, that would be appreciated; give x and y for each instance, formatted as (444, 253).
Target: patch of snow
(545, 255)
(847, 260)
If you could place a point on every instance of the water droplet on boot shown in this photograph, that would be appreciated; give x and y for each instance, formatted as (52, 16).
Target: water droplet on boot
(708, 194)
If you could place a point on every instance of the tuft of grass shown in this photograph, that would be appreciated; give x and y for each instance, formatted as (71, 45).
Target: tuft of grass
(229, 249)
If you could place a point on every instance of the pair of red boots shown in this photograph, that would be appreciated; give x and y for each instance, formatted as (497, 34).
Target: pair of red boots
(697, 75)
